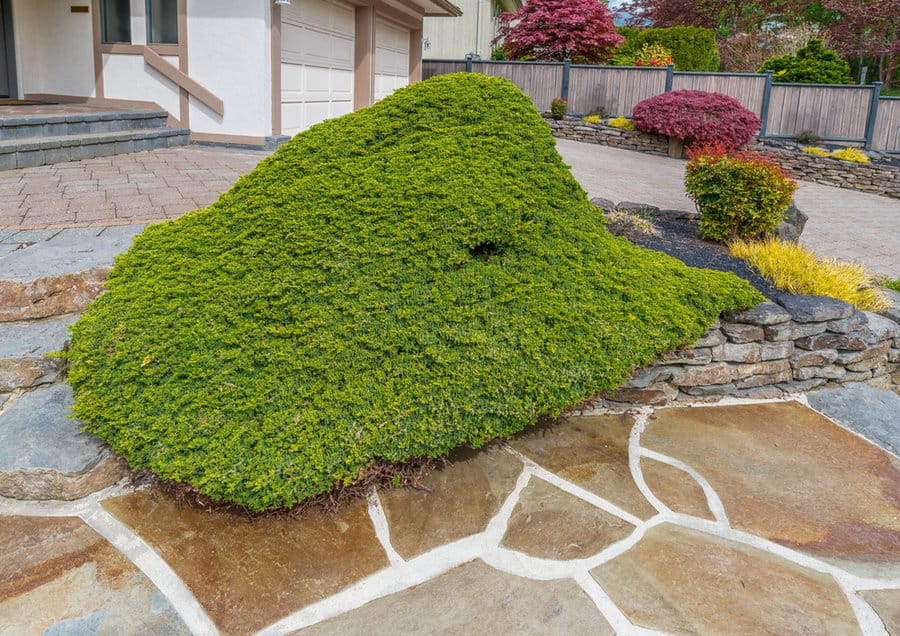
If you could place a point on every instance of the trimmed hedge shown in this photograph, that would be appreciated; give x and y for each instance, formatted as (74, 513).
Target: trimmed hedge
(692, 48)
(395, 283)
(813, 64)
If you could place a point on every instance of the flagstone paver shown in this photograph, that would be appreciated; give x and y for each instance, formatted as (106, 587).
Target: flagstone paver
(551, 524)
(455, 501)
(475, 598)
(675, 488)
(249, 573)
(59, 577)
(887, 604)
(786, 473)
(591, 452)
(873, 413)
(682, 581)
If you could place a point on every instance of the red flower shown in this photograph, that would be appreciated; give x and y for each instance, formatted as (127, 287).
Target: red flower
(638, 63)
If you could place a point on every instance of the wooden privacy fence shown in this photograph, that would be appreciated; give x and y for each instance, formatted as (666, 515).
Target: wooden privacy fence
(835, 112)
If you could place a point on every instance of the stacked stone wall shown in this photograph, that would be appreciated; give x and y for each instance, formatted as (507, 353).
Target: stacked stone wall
(771, 350)
(876, 178)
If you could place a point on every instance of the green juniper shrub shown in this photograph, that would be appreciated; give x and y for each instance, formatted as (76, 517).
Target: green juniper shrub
(392, 284)
(738, 194)
(558, 108)
(813, 64)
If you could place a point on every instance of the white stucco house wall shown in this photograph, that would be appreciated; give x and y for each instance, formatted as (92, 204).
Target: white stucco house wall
(238, 71)
(455, 37)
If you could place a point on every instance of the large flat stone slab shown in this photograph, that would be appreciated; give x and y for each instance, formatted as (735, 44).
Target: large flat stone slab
(473, 599)
(675, 488)
(249, 573)
(591, 452)
(886, 604)
(873, 413)
(549, 523)
(43, 453)
(457, 500)
(59, 577)
(681, 581)
(23, 349)
(786, 473)
(60, 274)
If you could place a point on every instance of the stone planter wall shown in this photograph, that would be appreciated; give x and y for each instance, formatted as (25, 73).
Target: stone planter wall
(774, 349)
(878, 178)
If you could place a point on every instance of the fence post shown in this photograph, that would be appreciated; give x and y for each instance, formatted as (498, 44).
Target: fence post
(862, 74)
(469, 57)
(764, 109)
(564, 90)
(670, 77)
(873, 114)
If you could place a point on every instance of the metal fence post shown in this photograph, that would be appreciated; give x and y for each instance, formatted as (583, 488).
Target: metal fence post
(670, 77)
(564, 90)
(862, 74)
(873, 114)
(764, 109)
(469, 57)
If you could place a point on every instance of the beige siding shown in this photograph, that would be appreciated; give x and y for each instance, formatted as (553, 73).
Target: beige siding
(613, 91)
(541, 82)
(887, 125)
(828, 111)
(747, 89)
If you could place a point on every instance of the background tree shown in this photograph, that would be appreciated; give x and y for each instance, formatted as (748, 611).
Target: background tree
(813, 64)
(869, 29)
(580, 30)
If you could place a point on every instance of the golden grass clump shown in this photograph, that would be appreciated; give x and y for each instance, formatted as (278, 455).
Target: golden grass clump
(850, 154)
(793, 268)
(592, 119)
(812, 150)
(623, 123)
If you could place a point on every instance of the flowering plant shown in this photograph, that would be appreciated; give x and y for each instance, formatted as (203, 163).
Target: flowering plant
(623, 123)
(654, 55)
(592, 119)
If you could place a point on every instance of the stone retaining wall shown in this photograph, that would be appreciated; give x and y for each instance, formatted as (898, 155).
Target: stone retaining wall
(877, 178)
(774, 349)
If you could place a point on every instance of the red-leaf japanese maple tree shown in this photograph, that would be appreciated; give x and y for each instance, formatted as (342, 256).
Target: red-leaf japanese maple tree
(580, 30)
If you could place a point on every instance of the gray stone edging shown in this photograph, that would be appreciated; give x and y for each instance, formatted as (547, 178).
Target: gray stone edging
(771, 350)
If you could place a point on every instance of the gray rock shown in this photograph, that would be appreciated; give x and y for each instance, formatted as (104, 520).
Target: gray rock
(639, 209)
(688, 376)
(893, 312)
(846, 325)
(604, 204)
(880, 327)
(877, 351)
(732, 352)
(34, 338)
(712, 338)
(843, 342)
(815, 308)
(741, 333)
(760, 393)
(772, 367)
(792, 226)
(818, 358)
(758, 381)
(763, 314)
(713, 390)
(776, 350)
(700, 355)
(792, 330)
(831, 372)
(798, 386)
(690, 215)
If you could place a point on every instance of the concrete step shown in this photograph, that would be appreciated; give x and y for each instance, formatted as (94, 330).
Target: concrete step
(38, 151)
(44, 454)
(29, 126)
(46, 273)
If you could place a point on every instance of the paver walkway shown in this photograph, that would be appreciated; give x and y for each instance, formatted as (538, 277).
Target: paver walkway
(747, 518)
(843, 224)
(135, 188)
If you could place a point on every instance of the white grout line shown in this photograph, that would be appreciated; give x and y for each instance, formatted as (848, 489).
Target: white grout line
(382, 528)
(805, 402)
(496, 527)
(59, 508)
(154, 567)
(869, 621)
(613, 615)
(14, 396)
(712, 498)
(634, 461)
(383, 583)
(577, 491)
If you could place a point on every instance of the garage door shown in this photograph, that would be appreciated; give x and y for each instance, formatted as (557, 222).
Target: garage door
(317, 39)
(391, 58)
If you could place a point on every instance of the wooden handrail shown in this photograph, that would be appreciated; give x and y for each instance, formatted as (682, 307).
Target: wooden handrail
(156, 61)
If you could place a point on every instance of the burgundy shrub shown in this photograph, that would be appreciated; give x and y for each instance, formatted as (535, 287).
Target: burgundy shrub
(697, 117)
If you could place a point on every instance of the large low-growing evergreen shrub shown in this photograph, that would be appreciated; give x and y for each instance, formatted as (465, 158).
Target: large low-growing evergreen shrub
(813, 64)
(392, 284)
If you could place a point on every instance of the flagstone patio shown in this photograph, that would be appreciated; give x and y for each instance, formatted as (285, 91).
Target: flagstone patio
(753, 517)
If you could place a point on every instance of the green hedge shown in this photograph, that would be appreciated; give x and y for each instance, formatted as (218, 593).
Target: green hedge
(395, 283)
(693, 48)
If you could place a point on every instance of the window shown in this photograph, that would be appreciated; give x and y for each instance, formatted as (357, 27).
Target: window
(162, 21)
(115, 20)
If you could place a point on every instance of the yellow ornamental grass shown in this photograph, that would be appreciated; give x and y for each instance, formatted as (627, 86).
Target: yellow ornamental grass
(811, 150)
(623, 123)
(795, 269)
(592, 119)
(850, 154)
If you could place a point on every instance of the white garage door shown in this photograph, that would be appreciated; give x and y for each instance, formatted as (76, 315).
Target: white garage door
(317, 39)
(391, 58)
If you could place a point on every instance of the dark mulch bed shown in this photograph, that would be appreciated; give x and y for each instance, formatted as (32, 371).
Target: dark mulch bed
(681, 238)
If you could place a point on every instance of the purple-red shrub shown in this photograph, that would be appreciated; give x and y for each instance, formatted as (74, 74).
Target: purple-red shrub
(697, 117)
